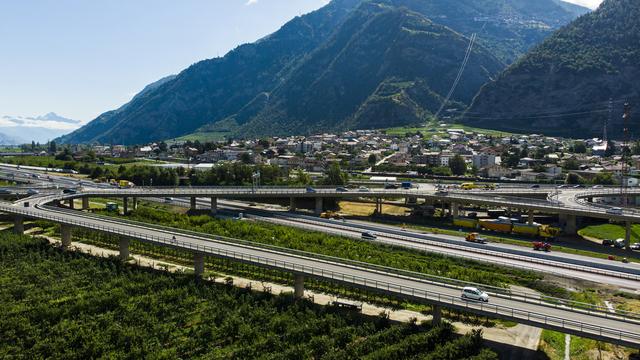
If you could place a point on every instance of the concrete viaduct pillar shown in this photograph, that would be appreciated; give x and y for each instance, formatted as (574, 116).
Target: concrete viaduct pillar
(298, 286)
(292, 204)
(319, 206)
(65, 235)
(627, 236)
(85, 203)
(124, 249)
(125, 205)
(436, 312)
(378, 206)
(214, 206)
(530, 218)
(72, 204)
(135, 203)
(198, 265)
(569, 223)
(455, 210)
(194, 205)
(18, 225)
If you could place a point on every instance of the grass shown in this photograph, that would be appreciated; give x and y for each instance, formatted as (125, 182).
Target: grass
(611, 231)
(433, 128)
(552, 343)
(204, 136)
(367, 209)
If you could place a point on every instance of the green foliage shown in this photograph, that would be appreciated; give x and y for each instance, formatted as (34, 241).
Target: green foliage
(59, 304)
(320, 243)
(458, 166)
(574, 179)
(335, 176)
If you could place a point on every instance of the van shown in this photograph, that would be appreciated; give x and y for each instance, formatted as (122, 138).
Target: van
(619, 243)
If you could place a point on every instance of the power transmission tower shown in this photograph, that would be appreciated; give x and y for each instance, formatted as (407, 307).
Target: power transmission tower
(626, 153)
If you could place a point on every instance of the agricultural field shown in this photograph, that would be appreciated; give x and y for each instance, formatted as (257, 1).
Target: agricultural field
(71, 305)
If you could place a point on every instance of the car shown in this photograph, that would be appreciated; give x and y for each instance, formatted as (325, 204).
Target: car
(563, 186)
(607, 242)
(597, 187)
(535, 186)
(579, 186)
(311, 190)
(35, 176)
(635, 246)
(69, 191)
(619, 243)
(342, 189)
(442, 193)
(367, 235)
(363, 189)
(391, 187)
(472, 293)
(168, 200)
(615, 211)
(33, 192)
(5, 191)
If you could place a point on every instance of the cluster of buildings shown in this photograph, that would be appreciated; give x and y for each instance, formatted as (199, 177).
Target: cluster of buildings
(518, 157)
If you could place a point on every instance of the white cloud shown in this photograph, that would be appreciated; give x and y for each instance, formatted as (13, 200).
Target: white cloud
(251, 2)
(588, 3)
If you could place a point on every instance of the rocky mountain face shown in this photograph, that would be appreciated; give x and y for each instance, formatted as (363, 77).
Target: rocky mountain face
(563, 86)
(350, 64)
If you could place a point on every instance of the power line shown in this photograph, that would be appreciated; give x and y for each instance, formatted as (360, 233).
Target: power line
(457, 80)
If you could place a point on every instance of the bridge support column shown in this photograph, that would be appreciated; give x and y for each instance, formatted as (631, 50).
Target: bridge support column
(627, 236)
(72, 204)
(125, 205)
(198, 265)
(569, 223)
(194, 205)
(214, 206)
(65, 235)
(378, 206)
(455, 210)
(124, 249)
(436, 312)
(18, 225)
(292, 204)
(298, 286)
(135, 203)
(319, 206)
(85, 203)
(530, 218)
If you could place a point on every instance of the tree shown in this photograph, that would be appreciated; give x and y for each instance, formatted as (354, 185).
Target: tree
(579, 147)
(246, 158)
(573, 179)
(571, 164)
(458, 166)
(372, 160)
(604, 178)
(335, 176)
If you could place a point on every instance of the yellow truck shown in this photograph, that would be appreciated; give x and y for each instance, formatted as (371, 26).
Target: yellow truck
(331, 215)
(466, 223)
(125, 184)
(468, 186)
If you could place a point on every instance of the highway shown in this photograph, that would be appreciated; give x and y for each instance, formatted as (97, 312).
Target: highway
(546, 316)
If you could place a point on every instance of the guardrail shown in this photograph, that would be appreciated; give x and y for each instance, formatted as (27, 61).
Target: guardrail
(354, 280)
(436, 280)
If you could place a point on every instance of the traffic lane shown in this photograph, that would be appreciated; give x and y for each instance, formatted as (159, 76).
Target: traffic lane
(357, 272)
(551, 269)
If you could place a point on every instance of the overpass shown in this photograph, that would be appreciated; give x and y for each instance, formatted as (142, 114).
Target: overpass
(614, 328)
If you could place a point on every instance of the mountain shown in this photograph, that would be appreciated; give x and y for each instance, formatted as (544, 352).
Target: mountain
(8, 140)
(349, 64)
(23, 129)
(563, 86)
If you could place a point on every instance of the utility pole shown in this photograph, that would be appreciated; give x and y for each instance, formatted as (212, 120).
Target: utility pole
(626, 153)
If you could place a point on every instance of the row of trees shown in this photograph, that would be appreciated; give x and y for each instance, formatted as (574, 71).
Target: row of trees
(102, 308)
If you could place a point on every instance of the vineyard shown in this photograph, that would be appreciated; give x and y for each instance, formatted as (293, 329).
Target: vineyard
(71, 305)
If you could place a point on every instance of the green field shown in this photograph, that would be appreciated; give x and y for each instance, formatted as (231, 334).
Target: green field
(59, 304)
(204, 136)
(433, 128)
(611, 231)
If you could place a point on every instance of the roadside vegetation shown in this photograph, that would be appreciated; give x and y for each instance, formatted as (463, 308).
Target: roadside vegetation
(71, 305)
(610, 231)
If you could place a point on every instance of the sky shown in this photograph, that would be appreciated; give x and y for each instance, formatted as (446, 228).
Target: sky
(80, 58)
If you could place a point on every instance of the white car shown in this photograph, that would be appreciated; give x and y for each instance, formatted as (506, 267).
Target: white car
(471, 293)
(615, 211)
(363, 189)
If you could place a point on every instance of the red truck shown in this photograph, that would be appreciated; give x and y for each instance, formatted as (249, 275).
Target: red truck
(541, 246)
